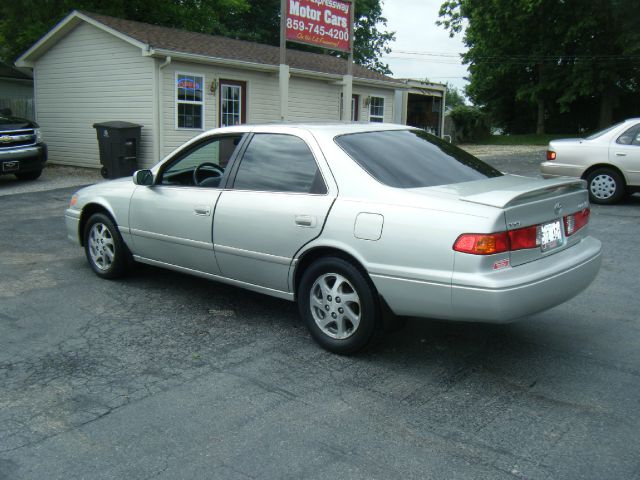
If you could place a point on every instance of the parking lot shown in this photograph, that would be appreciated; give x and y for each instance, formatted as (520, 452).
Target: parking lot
(168, 376)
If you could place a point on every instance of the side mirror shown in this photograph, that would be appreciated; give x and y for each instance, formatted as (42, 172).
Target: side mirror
(143, 177)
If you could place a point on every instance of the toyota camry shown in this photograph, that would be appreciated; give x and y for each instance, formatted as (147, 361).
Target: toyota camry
(354, 222)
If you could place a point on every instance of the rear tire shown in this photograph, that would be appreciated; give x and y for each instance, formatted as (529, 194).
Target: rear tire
(29, 175)
(106, 252)
(339, 305)
(606, 186)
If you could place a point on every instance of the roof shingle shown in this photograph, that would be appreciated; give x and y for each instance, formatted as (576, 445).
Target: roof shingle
(182, 41)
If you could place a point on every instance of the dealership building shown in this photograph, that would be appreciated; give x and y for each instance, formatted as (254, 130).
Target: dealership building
(93, 68)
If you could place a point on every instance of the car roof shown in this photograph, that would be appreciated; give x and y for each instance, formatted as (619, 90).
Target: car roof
(324, 128)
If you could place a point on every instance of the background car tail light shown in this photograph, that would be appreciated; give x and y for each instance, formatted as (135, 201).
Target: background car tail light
(524, 238)
(551, 155)
(482, 244)
(575, 221)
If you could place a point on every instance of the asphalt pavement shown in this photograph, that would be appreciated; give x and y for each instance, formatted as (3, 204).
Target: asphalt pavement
(166, 376)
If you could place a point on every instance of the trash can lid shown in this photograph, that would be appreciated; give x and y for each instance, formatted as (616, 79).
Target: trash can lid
(117, 125)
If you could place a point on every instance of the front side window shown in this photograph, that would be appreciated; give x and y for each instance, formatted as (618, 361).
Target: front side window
(279, 163)
(202, 165)
(413, 158)
(189, 101)
(376, 110)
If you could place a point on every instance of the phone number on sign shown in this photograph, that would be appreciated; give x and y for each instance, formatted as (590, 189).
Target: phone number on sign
(309, 27)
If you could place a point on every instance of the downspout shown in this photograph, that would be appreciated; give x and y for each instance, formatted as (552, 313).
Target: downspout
(166, 62)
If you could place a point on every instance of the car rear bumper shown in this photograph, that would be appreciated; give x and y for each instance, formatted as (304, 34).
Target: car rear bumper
(23, 159)
(529, 288)
(555, 169)
(72, 221)
(497, 297)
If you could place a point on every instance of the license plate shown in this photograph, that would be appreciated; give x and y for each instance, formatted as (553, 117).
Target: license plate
(550, 235)
(10, 166)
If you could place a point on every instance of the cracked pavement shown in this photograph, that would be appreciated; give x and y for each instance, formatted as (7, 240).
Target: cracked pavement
(166, 376)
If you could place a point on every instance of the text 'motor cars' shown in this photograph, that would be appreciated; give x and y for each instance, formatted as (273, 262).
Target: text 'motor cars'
(352, 221)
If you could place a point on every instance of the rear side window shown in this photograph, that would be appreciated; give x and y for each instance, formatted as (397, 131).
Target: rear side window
(413, 158)
(630, 137)
(279, 163)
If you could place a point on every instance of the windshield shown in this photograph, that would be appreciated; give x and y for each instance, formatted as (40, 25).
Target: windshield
(413, 158)
(599, 133)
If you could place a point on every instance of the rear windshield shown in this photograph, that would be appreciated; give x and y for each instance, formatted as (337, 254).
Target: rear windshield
(413, 158)
(599, 133)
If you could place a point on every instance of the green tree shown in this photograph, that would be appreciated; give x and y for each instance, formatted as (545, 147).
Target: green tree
(453, 97)
(533, 59)
(23, 22)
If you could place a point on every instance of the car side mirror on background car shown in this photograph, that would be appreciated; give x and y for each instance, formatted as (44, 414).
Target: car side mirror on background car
(143, 177)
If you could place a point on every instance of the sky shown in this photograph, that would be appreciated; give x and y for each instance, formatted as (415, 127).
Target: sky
(422, 49)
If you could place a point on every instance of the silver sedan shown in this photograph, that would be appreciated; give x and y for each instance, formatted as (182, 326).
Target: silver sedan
(609, 160)
(354, 222)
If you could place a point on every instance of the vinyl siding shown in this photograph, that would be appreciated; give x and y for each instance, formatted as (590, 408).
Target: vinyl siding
(91, 76)
(12, 89)
(263, 102)
(309, 99)
(313, 100)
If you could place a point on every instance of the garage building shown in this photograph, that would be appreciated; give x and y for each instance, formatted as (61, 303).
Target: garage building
(93, 68)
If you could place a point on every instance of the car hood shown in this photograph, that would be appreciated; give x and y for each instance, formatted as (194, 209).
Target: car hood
(102, 188)
(15, 123)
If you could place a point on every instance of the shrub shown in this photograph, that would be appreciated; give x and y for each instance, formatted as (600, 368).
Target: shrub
(471, 123)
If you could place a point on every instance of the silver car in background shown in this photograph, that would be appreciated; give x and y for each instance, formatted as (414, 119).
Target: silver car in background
(351, 221)
(609, 160)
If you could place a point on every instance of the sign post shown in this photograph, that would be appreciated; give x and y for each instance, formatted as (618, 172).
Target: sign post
(284, 68)
(322, 23)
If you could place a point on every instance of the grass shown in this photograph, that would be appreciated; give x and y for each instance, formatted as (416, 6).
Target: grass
(527, 139)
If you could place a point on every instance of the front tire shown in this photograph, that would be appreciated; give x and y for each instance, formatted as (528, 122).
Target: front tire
(106, 252)
(29, 175)
(606, 186)
(339, 305)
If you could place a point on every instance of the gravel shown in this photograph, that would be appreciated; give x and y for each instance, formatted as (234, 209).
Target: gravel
(53, 177)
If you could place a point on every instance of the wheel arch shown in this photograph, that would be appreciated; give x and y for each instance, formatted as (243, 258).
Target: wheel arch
(310, 255)
(88, 210)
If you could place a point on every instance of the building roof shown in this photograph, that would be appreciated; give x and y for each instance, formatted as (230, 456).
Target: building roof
(7, 71)
(171, 40)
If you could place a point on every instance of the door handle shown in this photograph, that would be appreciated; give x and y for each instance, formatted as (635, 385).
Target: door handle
(305, 221)
(619, 154)
(202, 210)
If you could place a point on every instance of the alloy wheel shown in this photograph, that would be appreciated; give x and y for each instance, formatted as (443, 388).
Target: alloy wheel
(335, 306)
(101, 246)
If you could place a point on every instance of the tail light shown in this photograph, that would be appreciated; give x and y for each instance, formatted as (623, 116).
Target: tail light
(551, 155)
(519, 239)
(575, 221)
(482, 244)
(491, 243)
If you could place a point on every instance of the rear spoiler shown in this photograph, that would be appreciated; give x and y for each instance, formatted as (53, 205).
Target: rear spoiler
(526, 192)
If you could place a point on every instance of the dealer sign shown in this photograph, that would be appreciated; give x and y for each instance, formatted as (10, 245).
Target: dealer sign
(323, 23)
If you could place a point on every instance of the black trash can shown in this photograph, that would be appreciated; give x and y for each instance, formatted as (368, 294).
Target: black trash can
(119, 144)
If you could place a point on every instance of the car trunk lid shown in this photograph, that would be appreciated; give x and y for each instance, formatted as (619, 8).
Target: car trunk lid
(527, 202)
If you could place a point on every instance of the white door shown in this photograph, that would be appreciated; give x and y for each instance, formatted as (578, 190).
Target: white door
(625, 152)
(278, 203)
(171, 221)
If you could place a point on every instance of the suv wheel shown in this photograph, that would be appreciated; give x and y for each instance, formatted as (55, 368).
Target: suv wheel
(29, 175)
